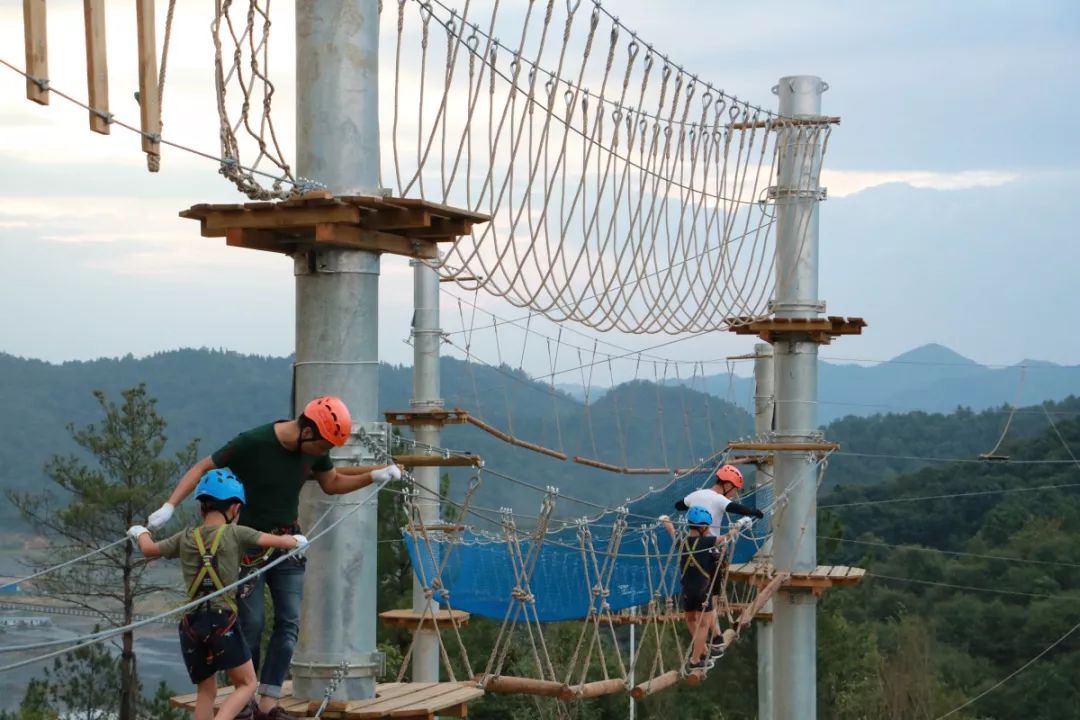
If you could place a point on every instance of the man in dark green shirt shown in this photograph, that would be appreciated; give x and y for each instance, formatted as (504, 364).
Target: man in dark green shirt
(273, 461)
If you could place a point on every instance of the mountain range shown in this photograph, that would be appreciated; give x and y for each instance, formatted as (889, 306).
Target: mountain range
(931, 378)
(213, 394)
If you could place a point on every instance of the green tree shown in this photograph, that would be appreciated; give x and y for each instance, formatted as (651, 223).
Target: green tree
(119, 478)
(35, 704)
(85, 683)
(158, 706)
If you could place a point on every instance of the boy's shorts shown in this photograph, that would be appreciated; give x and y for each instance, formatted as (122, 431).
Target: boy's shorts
(696, 601)
(210, 641)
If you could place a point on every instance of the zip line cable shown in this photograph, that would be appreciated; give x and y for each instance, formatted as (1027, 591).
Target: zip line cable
(973, 493)
(1013, 674)
(301, 185)
(958, 553)
(63, 565)
(93, 638)
(998, 591)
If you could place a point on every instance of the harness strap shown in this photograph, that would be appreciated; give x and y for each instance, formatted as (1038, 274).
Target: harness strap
(207, 580)
(691, 559)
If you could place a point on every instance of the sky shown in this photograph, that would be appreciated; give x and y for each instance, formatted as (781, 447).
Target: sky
(947, 220)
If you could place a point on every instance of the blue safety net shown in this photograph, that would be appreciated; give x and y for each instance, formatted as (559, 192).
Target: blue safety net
(480, 572)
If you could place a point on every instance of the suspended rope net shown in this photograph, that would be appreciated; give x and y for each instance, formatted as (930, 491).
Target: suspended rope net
(625, 193)
(484, 569)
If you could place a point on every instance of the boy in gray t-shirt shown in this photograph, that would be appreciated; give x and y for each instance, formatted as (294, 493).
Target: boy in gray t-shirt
(210, 560)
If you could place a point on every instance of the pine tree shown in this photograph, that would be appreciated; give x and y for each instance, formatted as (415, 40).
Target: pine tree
(120, 478)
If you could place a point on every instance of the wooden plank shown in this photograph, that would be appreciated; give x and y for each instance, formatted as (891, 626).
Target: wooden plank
(386, 703)
(149, 102)
(445, 695)
(37, 50)
(279, 217)
(374, 240)
(838, 571)
(397, 220)
(655, 685)
(97, 66)
(785, 447)
(411, 619)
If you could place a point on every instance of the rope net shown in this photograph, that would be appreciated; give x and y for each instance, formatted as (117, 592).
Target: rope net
(625, 193)
(570, 570)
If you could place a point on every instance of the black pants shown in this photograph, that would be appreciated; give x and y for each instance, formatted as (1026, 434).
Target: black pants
(211, 640)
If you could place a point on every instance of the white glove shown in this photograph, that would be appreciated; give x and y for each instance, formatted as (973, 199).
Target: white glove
(135, 532)
(161, 516)
(301, 544)
(663, 518)
(744, 522)
(390, 472)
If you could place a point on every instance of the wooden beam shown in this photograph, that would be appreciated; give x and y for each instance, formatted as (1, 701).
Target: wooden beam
(396, 220)
(508, 438)
(37, 50)
(97, 67)
(455, 460)
(282, 217)
(255, 240)
(351, 236)
(149, 102)
(785, 447)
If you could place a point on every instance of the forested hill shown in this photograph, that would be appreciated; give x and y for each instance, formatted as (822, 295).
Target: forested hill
(974, 569)
(211, 395)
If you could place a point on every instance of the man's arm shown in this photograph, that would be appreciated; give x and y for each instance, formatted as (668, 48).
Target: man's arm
(190, 479)
(338, 481)
(739, 509)
(187, 484)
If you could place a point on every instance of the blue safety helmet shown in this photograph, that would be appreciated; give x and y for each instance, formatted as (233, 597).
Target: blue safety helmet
(698, 515)
(220, 484)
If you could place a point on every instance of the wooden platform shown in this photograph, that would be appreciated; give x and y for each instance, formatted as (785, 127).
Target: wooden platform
(403, 226)
(819, 580)
(456, 416)
(821, 330)
(407, 701)
(409, 619)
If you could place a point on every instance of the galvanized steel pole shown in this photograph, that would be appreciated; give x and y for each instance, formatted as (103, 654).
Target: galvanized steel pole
(796, 296)
(337, 320)
(426, 336)
(763, 482)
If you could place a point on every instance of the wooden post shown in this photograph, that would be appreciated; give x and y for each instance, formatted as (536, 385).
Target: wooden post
(97, 69)
(37, 50)
(149, 106)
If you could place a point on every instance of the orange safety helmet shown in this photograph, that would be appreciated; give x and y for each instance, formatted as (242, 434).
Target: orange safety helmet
(331, 418)
(731, 474)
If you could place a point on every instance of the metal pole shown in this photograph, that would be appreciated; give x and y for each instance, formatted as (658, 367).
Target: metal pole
(763, 480)
(796, 296)
(425, 337)
(337, 319)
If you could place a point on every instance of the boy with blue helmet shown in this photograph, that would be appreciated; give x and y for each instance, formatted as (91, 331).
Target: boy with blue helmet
(210, 559)
(699, 564)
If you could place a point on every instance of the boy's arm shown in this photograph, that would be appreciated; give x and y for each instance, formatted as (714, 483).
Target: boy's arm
(141, 536)
(666, 522)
